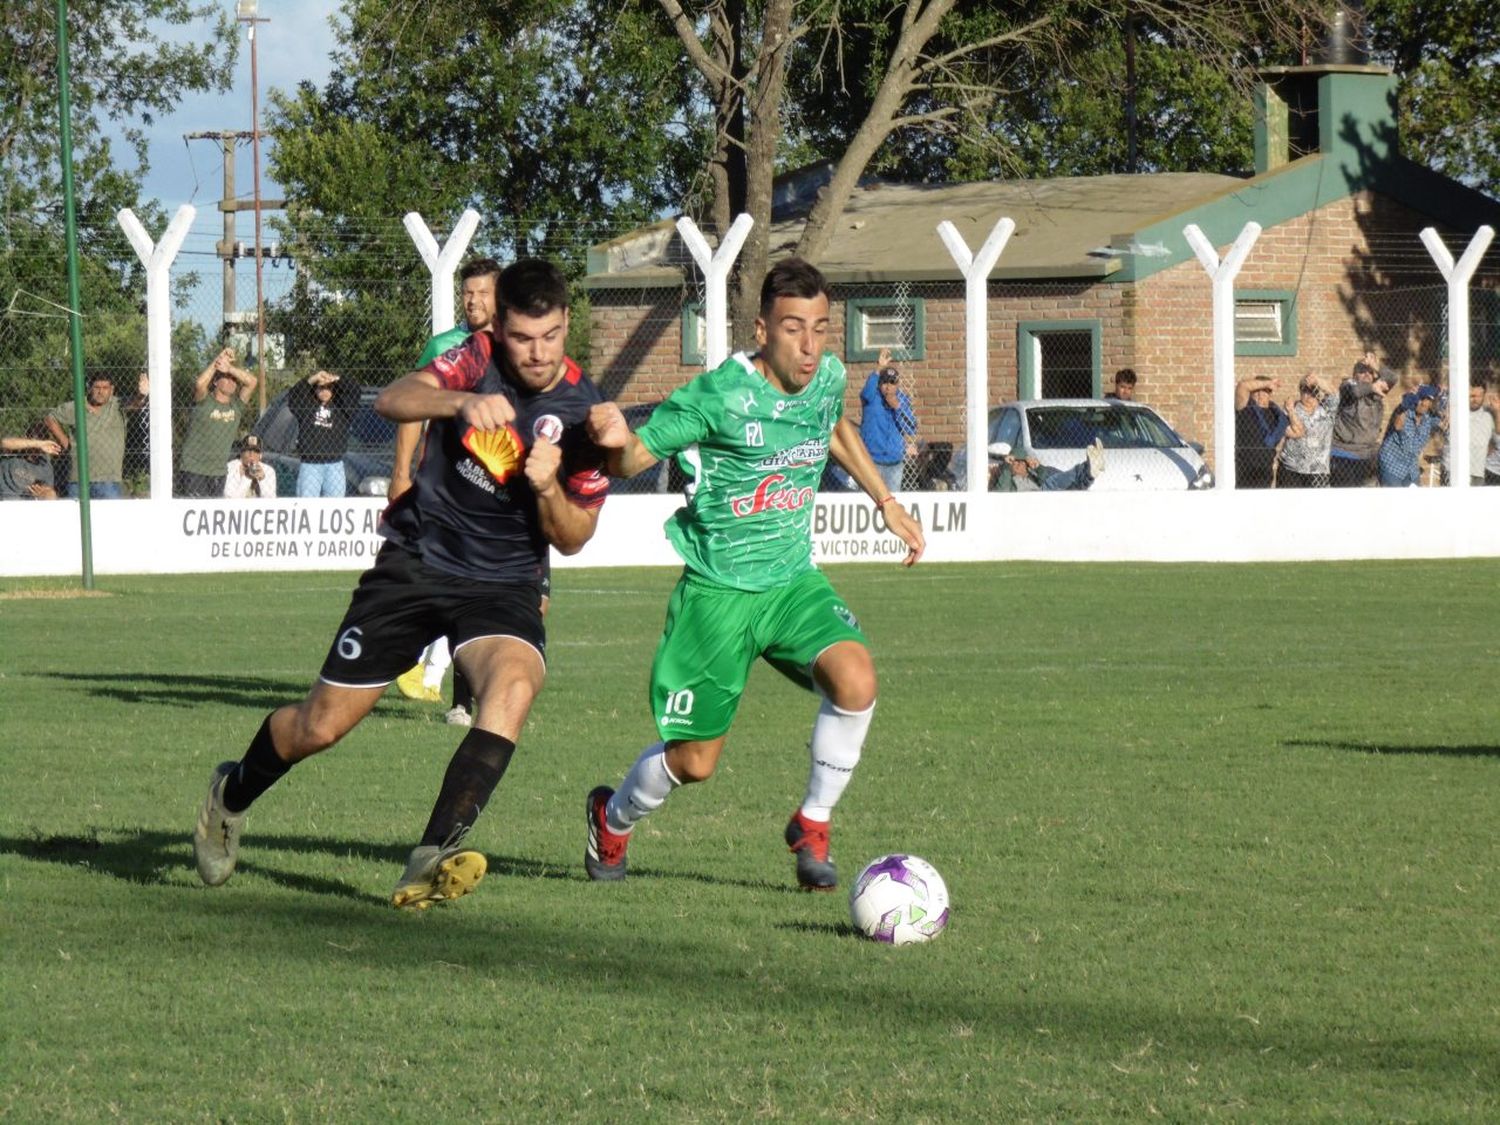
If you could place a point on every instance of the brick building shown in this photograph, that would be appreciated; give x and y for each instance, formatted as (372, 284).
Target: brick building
(1098, 275)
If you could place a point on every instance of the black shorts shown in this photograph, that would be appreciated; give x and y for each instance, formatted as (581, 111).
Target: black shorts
(401, 605)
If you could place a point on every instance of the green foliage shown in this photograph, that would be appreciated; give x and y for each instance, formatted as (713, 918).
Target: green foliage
(561, 123)
(1204, 864)
(1445, 52)
(1051, 102)
(127, 66)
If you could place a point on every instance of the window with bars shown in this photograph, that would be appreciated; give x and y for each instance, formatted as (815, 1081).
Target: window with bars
(873, 323)
(1265, 322)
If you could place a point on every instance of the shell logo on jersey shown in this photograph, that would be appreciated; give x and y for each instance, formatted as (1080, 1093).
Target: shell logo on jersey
(499, 451)
(769, 498)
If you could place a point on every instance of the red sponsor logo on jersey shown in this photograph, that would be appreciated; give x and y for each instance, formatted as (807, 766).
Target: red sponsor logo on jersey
(767, 497)
(588, 487)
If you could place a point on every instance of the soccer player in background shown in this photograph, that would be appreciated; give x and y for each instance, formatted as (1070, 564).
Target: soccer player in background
(753, 435)
(424, 680)
(509, 471)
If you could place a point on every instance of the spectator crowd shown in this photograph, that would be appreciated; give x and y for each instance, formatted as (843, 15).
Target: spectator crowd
(1322, 435)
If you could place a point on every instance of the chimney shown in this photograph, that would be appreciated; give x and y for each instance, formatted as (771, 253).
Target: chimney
(1340, 103)
(1344, 41)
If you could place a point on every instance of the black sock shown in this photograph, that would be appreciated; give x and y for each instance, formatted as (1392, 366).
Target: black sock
(260, 769)
(462, 695)
(476, 768)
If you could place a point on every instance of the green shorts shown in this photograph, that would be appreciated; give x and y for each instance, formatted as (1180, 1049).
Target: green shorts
(713, 634)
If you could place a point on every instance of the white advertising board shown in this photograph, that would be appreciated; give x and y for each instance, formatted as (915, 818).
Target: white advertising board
(186, 536)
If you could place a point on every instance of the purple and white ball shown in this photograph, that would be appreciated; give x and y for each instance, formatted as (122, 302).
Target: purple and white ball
(899, 899)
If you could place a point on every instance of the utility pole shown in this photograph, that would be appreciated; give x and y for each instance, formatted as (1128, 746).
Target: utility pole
(228, 248)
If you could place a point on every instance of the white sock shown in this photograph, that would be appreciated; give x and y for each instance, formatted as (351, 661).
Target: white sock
(837, 738)
(645, 787)
(437, 660)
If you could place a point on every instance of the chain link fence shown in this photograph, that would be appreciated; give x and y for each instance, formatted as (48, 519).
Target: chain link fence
(363, 311)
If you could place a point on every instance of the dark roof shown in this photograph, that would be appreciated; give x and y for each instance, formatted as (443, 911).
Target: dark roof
(1076, 226)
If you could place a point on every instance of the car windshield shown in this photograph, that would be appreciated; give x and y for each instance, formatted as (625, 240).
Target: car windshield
(1073, 427)
(369, 430)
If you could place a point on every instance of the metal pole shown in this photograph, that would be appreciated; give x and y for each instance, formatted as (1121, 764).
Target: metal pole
(976, 269)
(260, 305)
(442, 261)
(75, 300)
(1458, 275)
(1221, 277)
(715, 266)
(230, 304)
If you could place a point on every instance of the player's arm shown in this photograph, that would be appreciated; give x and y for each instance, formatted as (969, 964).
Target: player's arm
(624, 453)
(567, 525)
(245, 379)
(408, 435)
(59, 435)
(849, 451)
(421, 396)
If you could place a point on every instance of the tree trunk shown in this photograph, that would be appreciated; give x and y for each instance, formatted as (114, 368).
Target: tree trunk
(900, 76)
(765, 135)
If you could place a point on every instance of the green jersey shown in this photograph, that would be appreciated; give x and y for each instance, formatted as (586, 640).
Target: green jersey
(441, 343)
(753, 457)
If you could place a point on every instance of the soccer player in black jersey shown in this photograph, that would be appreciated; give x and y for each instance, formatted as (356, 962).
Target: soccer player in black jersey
(508, 472)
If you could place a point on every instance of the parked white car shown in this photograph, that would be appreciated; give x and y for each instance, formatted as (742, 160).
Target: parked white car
(1142, 453)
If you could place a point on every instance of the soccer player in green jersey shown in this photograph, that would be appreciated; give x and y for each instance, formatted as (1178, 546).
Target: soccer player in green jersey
(753, 436)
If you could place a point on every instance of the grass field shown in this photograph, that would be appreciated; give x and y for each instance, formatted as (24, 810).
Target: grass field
(1223, 843)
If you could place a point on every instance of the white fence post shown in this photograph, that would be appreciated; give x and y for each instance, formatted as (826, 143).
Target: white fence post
(976, 270)
(442, 262)
(1222, 275)
(715, 266)
(158, 262)
(1458, 277)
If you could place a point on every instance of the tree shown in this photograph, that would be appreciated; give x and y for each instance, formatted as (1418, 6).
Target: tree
(1444, 53)
(125, 68)
(550, 117)
(943, 87)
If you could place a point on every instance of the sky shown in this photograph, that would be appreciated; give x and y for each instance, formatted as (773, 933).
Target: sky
(294, 46)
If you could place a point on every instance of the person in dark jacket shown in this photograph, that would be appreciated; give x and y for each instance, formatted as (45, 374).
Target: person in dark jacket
(1259, 425)
(323, 405)
(1359, 423)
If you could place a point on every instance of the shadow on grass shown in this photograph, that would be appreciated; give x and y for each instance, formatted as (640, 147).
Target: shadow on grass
(583, 950)
(155, 858)
(258, 693)
(1392, 748)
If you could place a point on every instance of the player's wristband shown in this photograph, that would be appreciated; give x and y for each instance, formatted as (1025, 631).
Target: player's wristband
(884, 500)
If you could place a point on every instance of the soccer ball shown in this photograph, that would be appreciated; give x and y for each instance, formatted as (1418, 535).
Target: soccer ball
(899, 899)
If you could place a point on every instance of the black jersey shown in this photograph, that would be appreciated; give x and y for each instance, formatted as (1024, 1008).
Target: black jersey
(470, 510)
(323, 429)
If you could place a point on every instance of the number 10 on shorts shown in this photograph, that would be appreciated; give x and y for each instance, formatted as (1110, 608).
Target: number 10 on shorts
(678, 703)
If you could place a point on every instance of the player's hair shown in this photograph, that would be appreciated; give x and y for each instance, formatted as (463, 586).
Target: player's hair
(791, 277)
(479, 267)
(1125, 375)
(531, 287)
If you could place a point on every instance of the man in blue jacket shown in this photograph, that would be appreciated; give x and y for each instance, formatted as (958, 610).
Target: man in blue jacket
(887, 424)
